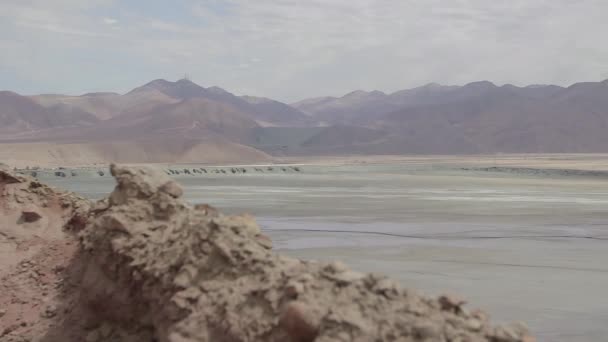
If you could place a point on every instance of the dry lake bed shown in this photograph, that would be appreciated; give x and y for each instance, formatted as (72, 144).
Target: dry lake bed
(525, 243)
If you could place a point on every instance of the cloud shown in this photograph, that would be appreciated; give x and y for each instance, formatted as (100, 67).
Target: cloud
(110, 21)
(290, 49)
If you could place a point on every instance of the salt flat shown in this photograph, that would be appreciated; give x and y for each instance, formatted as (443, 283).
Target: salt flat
(523, 247)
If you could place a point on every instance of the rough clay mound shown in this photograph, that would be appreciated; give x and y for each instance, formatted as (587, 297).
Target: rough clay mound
(153, 268)
(34, 249)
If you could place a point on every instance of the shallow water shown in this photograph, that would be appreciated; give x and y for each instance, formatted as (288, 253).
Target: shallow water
(523, 248)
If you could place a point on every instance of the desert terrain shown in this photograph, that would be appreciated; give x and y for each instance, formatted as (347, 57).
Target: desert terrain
(494, 192)
(303, 171)
(523, 236)
(143, 264)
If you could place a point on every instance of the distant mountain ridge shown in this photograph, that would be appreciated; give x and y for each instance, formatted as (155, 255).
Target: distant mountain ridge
(479, 117)
(19, 114)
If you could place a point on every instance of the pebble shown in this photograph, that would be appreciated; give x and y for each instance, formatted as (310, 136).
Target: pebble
(49, 312)
(299, 322)
(173, 189)
(474, 324)
(426, 330)
(451, 303)
(293, 289)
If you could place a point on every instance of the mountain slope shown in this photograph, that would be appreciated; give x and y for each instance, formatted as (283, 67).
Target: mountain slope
(499, 119)
(331, 110)
(106, 105)
(265, 111)
(109, 105)
(19, 114)
(479, 117)
(272, 113)
(193, 118)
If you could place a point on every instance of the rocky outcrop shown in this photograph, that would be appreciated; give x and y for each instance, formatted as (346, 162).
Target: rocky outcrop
(30, 208)
(154, 268)
(143, 265)
(34, 251)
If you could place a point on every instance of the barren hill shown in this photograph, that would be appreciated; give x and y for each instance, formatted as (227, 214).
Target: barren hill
(273, 113)
(501, 119)
(331, 110)
(106, 105)
(479, 117)
(192, 118)
(21, 114)
(167, 119)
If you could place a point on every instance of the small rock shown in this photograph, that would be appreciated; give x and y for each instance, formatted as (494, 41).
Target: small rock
(481, 315)
(387, 286)
(336, 267)
(451, 303)
(105, 331)
(9, 329)
(343, 336)
(30, 216)
(305, 278)
(7, 178)
(264, 241)
(207, 210)
(49, 312)
(93, 336)
(299, 322)
(293, 289)
(347, 277)
(474, 324)
(510, 333)
(2, 312)
(427, 331)
(173, 189)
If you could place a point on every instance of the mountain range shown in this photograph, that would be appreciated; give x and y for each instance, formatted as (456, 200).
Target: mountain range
(164, 121)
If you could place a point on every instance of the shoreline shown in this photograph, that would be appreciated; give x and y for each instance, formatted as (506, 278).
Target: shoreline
(552, 162)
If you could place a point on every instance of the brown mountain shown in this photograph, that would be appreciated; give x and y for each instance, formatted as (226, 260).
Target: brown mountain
(148, 117)
(266, 112)
(195, 118)
(360, 106)
(20, 114)
(479, 117)
(483, 118)
(174, 119)
(273, 113)
(109, 105)
(332, 110)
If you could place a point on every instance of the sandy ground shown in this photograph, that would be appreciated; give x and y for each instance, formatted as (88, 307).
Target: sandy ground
(555, 161)
(54, 155)
(525, 247)
(566, 161)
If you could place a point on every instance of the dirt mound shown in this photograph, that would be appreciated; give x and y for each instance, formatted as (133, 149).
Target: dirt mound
(149, 267)
(31, 210)
(154, 268)
(34, 249)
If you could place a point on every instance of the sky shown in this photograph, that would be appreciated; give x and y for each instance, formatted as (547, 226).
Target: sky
(294, 49)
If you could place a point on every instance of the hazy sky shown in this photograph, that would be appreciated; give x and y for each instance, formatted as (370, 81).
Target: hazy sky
(292, 49)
